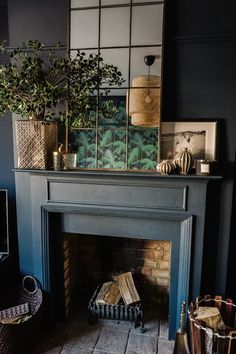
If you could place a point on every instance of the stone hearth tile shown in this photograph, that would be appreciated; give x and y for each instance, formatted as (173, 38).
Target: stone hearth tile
(67, 349)
(112, 341)
(141, 344)
(82, 336)
(122, 326)
(164, 329)
(165, 346)
(151, 329)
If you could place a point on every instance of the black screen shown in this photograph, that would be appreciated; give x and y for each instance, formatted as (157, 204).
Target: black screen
(3, 222)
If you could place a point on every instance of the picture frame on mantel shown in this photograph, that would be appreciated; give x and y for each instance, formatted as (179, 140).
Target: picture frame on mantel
(200, 137)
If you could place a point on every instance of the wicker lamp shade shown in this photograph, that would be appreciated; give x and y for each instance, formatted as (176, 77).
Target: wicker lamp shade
(143, 101)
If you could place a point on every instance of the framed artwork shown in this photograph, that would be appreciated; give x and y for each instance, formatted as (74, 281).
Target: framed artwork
(199, 137)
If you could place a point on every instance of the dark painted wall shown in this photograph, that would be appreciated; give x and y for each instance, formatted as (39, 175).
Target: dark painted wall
(200, 82)
(7, 179)
(44, 20)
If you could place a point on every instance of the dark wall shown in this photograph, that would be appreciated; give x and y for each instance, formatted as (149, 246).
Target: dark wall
(200, 82)
(44, 20)
(7, 180)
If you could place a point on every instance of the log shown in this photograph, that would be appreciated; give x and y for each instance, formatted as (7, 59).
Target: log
(127, 288)
(109, 294)
(211, 317)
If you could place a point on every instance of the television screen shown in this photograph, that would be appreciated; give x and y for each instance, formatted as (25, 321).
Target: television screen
(4, 244)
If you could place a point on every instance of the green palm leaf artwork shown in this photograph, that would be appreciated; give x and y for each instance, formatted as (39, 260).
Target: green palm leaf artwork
(142, 149)
(83, 142)
(112, 149)
(108, 148)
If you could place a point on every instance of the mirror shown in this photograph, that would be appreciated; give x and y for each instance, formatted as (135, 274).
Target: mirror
(4, 232)
(124, 32)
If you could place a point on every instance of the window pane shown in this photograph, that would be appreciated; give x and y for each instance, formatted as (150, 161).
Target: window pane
(115, 27)
(83, 143)
(119, 58)
(112, 149)
(142, 149)
(87, 52)
(115, 2)
(138, 66)
(138, 1)
(84, 29)
(84, 3)
(147, 24)
(117, 118)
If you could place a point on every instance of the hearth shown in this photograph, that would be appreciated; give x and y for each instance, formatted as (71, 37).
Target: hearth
(137, 206)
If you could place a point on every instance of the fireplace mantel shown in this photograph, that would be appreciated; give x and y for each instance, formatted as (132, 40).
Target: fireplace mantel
(120, 204)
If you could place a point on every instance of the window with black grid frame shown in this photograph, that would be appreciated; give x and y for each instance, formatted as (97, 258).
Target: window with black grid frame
(123, 32)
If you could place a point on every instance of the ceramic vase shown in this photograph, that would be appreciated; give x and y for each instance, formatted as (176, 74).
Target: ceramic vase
(165, 167)
(184, 161)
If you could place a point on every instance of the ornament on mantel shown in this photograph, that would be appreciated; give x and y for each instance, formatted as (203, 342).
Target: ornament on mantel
(165, 167)
(184, 161)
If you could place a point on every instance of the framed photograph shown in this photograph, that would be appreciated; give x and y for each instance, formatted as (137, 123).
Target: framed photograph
(199, 137)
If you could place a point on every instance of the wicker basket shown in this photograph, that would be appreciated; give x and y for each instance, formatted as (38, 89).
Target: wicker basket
(35, 143)
(20, 338)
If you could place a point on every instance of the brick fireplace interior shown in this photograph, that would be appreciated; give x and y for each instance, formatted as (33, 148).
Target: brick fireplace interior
(90, 260)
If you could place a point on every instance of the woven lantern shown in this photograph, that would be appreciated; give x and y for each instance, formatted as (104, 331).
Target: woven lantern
(144, 101)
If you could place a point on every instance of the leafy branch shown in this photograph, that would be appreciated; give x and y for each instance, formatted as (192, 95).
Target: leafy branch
(48, 83)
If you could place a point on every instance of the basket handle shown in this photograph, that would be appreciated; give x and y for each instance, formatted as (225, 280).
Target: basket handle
(30, 284)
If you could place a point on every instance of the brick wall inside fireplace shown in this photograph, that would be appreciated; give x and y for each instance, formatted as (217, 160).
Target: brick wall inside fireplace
(88, 260)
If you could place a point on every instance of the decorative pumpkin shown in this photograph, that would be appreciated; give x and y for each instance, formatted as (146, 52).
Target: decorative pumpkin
(165, 167)
(184, 161)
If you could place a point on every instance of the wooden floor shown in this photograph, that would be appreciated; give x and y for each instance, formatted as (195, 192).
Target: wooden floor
(107, 337)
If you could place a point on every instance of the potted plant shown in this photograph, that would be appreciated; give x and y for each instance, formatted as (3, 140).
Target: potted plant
(44, 84)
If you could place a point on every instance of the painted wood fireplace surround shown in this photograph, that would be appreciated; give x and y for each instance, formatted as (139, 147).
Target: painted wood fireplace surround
(119, 204)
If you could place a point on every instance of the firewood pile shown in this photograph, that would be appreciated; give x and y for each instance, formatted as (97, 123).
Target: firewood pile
(212, 324)
(121, 288)
(117, 300)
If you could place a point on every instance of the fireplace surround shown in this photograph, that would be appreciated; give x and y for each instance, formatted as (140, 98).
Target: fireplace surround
(119, 204)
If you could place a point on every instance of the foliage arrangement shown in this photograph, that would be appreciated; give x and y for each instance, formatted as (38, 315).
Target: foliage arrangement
(46, 83)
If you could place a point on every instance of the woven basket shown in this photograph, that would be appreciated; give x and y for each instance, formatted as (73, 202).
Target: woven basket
(20, 338)
(35, 143)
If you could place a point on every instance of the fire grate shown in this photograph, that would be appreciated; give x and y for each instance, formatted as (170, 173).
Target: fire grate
(122, 312)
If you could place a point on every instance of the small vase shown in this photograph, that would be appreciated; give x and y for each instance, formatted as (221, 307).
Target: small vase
(69, 161)
(165, 167)
(184, 161)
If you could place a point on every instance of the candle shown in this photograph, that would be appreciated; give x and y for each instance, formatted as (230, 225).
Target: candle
(57, 161)
(205, 167)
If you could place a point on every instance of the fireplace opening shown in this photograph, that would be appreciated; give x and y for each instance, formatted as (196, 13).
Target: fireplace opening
(90, 261)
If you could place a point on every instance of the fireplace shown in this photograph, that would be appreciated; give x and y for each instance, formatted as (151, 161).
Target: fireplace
(92, 260)
(134, 206)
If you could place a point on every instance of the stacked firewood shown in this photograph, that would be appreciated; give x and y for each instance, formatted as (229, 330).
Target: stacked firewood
(121, 288)
(212, 324)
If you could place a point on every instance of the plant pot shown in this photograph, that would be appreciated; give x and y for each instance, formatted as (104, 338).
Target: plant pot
(35, 143)
(69, 161)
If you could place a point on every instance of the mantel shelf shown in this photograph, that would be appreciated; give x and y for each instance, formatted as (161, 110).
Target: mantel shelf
(108, 173)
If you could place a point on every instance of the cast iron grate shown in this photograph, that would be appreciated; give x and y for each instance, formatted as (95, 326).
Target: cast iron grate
(122, 312)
